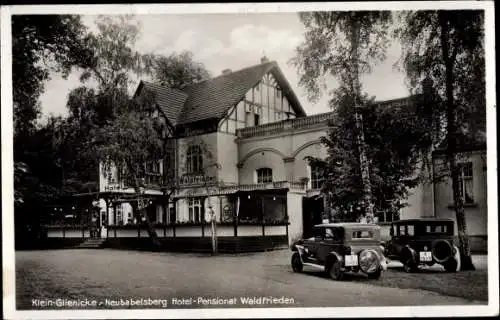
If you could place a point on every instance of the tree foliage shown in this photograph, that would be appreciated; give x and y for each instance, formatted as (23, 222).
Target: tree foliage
(41, 44)
(448, 46)
(344, 45)
(114, 57)
(328, 48)
(422, 56)
(127, 143)
(178, 69)
(393, 136)
(102, 96)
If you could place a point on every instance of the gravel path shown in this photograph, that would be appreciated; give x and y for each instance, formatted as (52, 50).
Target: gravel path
(119, 274)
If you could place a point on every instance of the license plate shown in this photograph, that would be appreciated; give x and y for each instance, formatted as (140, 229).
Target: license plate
(351, 260)
(425, 256)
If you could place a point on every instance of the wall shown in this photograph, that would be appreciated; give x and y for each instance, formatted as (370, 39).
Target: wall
(316, 150)
(262, 159)
(420, 201)
(294, 204)
(284, 153)
(476, 214)
(227, 154)
(208, 143)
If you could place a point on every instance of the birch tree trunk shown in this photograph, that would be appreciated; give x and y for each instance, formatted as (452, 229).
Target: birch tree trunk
(451, 115)
(366, 204)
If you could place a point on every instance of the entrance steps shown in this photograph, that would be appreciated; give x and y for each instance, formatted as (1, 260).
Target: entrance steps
(92, 243)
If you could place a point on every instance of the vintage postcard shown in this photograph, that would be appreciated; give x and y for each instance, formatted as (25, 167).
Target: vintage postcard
(270, 160)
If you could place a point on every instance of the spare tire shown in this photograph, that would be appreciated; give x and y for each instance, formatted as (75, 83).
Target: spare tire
(368, 261)
(442, 251)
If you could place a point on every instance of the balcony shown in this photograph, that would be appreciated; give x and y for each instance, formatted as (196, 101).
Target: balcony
(284, 126)
(230, 189)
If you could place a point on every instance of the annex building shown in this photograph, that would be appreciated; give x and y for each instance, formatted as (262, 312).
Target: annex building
(238, 146)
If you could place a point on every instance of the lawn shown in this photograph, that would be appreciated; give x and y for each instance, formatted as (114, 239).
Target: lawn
(471, 285)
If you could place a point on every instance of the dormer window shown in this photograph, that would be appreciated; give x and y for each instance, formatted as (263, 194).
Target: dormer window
(264, 175)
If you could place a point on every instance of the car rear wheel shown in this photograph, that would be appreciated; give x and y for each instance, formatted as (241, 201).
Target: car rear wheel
(335, 271)
(450, 265)
(297, 265)
(409, 265)
(376, 274)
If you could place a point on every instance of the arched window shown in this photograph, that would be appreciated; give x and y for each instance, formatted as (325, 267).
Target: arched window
(264, 175)
(194, 160)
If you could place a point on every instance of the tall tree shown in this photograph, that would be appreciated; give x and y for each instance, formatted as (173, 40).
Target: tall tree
(394, 138)
(344, 45)
(178, 69)
(126, 144)
(448, 46)
(106, 79)
(42, 44)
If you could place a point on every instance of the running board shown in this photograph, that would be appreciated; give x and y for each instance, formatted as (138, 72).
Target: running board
(314, 265)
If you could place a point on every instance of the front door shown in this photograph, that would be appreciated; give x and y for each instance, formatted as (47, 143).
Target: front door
(312, 211)
(331, 242)
(94, 225)
(311, 245)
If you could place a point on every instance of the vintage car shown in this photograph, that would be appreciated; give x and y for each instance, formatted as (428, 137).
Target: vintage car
(424, 241)
(337, 248)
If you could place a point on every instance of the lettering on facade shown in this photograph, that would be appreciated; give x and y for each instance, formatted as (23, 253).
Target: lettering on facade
(198, 179)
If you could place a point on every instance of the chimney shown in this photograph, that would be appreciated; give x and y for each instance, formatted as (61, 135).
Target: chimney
(226, 71)
(264, 59)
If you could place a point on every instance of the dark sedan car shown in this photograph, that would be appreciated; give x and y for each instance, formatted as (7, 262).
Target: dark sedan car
(341, 247)
(424, 241)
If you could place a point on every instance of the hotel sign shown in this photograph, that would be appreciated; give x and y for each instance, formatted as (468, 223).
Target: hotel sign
(108, 180)
(115, 187)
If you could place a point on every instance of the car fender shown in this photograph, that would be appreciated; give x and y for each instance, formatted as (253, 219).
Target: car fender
(301, 250)
(456, 256)
(332, 257)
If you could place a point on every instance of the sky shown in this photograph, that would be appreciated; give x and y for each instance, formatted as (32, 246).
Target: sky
(233, 41)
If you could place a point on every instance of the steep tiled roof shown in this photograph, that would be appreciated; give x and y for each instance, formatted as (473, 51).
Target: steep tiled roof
(213, 98)
(170, 101)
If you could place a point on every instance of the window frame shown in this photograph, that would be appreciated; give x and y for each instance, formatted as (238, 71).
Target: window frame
(194, 203)
(357, 234)
(264, 175)
(463, 179)
(316, 179)
(194, 160)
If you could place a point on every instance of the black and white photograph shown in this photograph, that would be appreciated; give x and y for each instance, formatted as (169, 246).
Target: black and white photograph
(271, 160)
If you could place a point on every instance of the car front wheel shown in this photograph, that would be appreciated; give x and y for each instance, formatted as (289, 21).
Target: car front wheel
(335, 271)
(297, 265)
